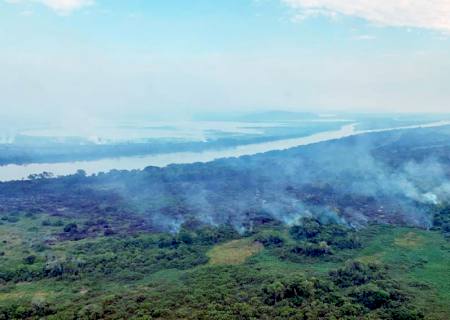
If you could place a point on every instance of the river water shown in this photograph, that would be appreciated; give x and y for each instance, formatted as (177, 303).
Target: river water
(19, 172)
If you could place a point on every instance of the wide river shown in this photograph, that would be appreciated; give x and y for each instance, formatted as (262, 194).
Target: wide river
(19, 172)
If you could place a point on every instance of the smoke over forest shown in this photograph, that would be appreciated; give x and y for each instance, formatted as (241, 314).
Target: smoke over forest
(392, 177)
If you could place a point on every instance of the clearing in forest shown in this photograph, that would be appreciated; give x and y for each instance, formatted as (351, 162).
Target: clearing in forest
(409, 240)
(234, 252)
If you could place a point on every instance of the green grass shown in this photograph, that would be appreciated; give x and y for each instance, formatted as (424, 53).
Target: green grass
(414, 256)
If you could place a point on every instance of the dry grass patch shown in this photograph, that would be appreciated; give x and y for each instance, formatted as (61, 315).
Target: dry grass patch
(234, 252)
(375, 258)
(409, 240)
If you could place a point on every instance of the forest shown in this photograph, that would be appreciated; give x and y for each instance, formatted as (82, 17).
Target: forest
(357, 228)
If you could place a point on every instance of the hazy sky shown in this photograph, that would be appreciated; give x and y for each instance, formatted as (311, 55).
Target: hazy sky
(72, 58)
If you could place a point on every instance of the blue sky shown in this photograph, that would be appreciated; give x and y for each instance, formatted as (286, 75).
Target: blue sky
(78, 58)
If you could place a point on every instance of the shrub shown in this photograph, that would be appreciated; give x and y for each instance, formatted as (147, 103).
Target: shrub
(270, 239)
(371, 296)
(71, 227)
(308, 229)
(312, 249)
(31, 259)
(356, 273)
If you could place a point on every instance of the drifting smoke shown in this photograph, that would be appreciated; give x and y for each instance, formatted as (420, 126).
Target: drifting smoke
(351, 181)
(395, 177)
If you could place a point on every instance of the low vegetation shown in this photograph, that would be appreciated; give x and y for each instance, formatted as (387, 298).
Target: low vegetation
(226, 240)
(308, 271)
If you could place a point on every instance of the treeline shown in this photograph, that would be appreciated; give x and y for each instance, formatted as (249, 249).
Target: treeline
(27, 150)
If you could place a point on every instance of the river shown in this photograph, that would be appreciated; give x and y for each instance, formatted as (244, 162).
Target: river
(19, 172)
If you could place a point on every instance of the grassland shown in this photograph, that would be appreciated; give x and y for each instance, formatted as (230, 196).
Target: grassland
(418, 257)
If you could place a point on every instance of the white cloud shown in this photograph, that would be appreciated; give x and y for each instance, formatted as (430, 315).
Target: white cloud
(60, 6)
(66, 6)
(428, 14)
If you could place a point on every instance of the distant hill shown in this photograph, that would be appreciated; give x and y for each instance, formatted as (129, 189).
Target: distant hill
(279, 116)
(260, 116)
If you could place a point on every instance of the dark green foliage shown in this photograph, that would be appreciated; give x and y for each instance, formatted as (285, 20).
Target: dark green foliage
(313, 239)
(35, 310)
(211, 235)
(53, 223)
(308, 229)
(201, 291)
(117, 258)
(356, 273)
(71, 227)
(29, 259)
(311, 249)
(11, 218)
(371, 296)
(270, 239)
(243, 292)
(335, 235)
(370, 286)
(186, 237)
(296, 290)
(108, 232)
(441, 220)
(140, 256)
(404, 313)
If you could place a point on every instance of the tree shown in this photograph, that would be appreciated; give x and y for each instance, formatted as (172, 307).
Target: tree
(308, 229)
(274, 292)
(371, 296)
(29, 259)
(71, 227)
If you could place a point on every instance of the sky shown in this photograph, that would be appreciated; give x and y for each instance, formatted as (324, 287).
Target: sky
(81, 59)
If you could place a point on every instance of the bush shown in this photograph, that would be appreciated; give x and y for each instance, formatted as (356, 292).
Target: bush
(11, 219)
(29, 259)
(312, 249)
(356, 273)
(335, 235)
(186, 237)
(371, 296)
(441, 220)
(108, 232)
(71, 227)
(308, 229)
(405, 313)
(270, 239)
